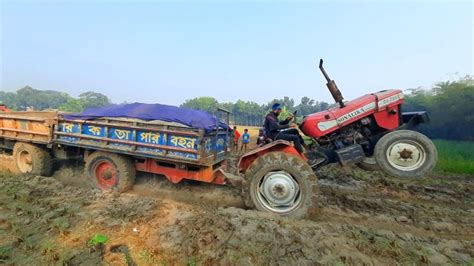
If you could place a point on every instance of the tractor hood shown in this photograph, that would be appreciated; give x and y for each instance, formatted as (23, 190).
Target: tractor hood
(324, 122)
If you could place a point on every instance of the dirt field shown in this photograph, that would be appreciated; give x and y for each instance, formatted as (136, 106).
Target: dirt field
(364, 219)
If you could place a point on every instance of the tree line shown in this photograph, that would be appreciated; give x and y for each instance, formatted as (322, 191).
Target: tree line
(449, 104)
(28, 98)
(250, 113)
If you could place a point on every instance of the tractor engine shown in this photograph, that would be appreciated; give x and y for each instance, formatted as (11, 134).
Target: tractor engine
(348, 144)
(356, 133)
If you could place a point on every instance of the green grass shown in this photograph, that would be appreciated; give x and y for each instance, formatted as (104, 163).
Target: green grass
(455, 156)
(97, 239)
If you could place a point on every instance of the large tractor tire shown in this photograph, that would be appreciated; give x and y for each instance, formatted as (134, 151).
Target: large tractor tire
(369, 164)
(406, 154)
(32, 159)
(282, 184)
(111, 171)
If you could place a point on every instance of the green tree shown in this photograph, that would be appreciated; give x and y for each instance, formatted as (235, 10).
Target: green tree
(449, 105)
(72, 106)
(308, 106)
(93, 99)
(9, 99)
(287, 102)
(204, 103)
(40, 99)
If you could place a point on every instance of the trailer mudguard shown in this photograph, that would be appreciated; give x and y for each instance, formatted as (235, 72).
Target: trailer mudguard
(277, 145)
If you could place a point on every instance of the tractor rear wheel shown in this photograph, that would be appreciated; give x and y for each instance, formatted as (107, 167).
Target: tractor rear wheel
(282, 184)
(110, 171)
(405, 154)
(32, 159)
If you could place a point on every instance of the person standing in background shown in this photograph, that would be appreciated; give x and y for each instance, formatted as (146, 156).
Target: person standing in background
(235, 141)
(261, 138)
(245, 140)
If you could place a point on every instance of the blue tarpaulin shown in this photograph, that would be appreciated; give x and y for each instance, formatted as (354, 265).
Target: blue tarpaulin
(143, 111)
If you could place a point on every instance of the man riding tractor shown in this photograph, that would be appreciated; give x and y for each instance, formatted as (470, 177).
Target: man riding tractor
(275, 130)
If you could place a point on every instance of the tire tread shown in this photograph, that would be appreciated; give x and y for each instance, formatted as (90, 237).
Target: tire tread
(125, 167)
(284, 161)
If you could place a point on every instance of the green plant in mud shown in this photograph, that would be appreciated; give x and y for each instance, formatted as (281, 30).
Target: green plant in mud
(5, 254)
(61, 224)
(97, 239)
(15, 227)
(191, 262)
(48, 249)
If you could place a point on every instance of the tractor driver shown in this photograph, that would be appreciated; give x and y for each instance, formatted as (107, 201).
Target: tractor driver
(274, 128)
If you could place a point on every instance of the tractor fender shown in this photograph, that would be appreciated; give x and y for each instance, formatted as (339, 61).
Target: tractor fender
(412, 119)
(278, 145)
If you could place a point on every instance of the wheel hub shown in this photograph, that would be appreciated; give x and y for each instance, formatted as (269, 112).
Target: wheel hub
(406, 155)
(25, 162)
(279, 191)
(106, 174)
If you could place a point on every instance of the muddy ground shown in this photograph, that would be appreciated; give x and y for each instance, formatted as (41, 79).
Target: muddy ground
(364, 218)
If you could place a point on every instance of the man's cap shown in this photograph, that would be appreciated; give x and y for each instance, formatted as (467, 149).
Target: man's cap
(276, 106)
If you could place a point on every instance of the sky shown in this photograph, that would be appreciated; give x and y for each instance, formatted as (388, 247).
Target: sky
(170, 51)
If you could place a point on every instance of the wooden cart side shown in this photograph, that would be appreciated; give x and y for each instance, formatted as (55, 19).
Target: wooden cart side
(33, 127)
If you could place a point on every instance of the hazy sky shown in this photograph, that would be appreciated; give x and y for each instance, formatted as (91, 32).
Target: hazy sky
(166, 52)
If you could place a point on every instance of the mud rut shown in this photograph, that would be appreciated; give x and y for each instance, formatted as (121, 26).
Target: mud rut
(364, 218)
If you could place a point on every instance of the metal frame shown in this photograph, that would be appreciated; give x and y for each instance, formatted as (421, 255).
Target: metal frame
(85, 141)
(210, 174)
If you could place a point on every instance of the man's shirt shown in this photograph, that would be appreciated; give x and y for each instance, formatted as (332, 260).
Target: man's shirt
(273, 126)
(236, 135)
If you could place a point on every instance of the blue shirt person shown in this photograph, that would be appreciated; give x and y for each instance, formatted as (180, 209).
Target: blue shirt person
(245, 140)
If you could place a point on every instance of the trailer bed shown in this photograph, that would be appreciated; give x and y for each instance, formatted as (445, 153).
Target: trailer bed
(33, 127)
(144, 139)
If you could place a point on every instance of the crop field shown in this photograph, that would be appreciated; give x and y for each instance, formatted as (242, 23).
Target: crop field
(455, 156)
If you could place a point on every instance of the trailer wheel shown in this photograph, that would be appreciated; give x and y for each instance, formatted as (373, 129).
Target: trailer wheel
(369, 164)
(111, 171)
(406, 154)
(283, 184)
(32, 159)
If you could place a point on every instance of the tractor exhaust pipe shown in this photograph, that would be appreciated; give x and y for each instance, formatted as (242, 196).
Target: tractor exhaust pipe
(335, 92)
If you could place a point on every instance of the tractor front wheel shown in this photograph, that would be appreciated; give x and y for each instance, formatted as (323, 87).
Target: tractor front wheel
(406, 154)
(282, 184)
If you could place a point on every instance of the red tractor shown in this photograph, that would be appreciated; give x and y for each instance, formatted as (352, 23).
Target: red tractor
(370, 131)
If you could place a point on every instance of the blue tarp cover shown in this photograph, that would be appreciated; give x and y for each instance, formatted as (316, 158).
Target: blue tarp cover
(143, 111)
